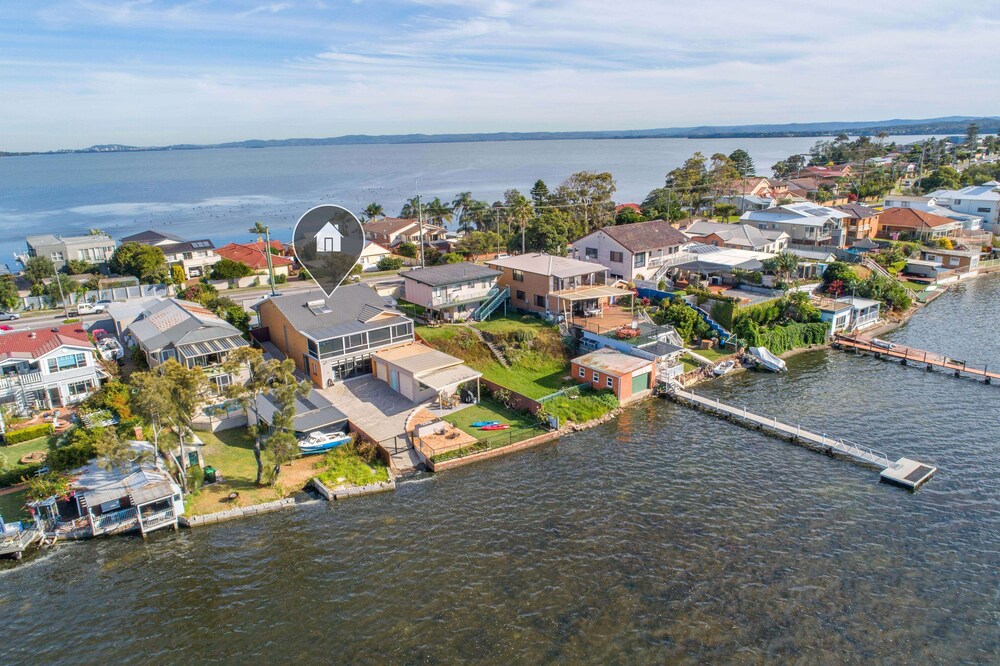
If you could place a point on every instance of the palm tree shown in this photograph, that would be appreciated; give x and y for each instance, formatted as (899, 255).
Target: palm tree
(261, 228)
(438, 212)
(373, 211)
(474, 216)
(460, 205)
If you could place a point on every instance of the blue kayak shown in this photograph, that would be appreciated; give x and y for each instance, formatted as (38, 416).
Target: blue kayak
(483, 424)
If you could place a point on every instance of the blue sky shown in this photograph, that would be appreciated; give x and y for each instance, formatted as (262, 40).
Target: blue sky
(153, 72)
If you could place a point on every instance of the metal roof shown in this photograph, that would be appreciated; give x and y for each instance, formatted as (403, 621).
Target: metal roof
(448, 377)
(612, 362)
(312, 412)
(417, 359)
(439, 276)
(547, 264)
(345, 306)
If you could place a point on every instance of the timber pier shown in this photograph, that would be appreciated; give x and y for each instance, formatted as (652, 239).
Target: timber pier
(904, 472)
(910, 355)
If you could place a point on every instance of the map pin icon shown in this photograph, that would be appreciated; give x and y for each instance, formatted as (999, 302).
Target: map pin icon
(327, 241)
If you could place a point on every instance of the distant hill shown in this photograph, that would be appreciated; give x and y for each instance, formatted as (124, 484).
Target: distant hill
(938, 126)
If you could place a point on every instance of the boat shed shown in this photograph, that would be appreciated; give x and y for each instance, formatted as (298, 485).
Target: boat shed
(313, 413)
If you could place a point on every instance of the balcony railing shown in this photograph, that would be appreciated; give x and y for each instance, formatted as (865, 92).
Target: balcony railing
(23, 379)
(109, 521)
(158, 518)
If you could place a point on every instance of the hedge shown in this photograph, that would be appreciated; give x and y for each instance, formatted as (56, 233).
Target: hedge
(31, 432)
(12, 476)
(779, 339)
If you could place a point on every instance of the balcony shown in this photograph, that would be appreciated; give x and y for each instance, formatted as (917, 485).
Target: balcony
(24, 379)
(459, 297)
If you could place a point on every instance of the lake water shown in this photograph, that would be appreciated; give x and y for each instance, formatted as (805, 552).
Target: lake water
(220, 193)
(664, 536)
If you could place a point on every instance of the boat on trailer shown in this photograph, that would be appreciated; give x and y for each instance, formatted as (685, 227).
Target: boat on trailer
(318, 442)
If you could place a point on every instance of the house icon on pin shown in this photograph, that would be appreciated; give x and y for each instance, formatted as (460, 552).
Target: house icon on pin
(328, 238)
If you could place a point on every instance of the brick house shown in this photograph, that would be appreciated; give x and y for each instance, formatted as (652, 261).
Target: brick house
(862, 222)
(630, 378)
(631, 250)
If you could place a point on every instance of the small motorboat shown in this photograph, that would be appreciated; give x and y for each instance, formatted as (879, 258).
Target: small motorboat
(496, 426)
(724, 368)
(765, 359)
(111, 349)
(319, 442)
(484, 424)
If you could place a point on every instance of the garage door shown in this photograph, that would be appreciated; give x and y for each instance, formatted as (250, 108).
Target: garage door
(640, 382)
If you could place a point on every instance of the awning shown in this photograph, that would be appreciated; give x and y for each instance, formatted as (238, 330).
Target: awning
(590, 293)
(216, 346)
(449, 377)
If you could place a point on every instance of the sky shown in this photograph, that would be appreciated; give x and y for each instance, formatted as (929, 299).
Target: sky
(154, 72)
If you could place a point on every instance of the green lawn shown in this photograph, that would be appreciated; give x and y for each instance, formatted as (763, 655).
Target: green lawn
(689, 364)
(14, 452)
(230, 452)
(341, 468)
(713, 354)
(522, 425)
(583, 406)
(513, 322)
(915, 286)
(12, 506)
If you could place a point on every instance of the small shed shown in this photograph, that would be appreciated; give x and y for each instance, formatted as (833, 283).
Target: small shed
(629, 377)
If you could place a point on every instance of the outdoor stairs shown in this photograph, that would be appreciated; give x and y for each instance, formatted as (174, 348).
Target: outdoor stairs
(875, 267)
(495, 297)
(724, 335)
(492, 347)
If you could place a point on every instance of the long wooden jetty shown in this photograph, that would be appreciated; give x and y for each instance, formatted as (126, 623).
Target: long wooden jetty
(905, 473)
(908, 355)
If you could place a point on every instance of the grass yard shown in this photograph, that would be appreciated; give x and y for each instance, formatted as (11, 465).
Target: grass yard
(689, 364)
(580, 407)
(14, 452)
(522, 426)
(915, 286)
(230, 452)
(340, 467)
(538, 365)
(12, 506)
(713, 355)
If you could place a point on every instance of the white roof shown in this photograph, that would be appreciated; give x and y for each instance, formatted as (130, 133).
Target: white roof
(804, 213)
(986, 192)
(858, 302)
(547, 264)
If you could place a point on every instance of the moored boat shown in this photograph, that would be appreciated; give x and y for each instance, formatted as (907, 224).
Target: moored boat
(765, 359)
(724, 368)
(318, 442)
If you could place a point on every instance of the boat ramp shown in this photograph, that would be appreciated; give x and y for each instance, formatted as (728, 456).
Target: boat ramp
(904, 472)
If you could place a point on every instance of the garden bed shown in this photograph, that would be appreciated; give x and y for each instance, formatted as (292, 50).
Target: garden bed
(581, 407)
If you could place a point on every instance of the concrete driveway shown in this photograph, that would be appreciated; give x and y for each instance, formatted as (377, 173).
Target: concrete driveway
(374, 407)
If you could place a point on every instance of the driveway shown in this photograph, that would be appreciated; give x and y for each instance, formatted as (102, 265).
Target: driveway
(374, 407)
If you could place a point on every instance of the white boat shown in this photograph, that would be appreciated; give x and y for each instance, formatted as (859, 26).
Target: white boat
(111, 349)
(724, 368)
(765, 359)
(317, 442)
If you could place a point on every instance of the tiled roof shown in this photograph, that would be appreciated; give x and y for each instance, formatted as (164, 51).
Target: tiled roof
(912, 218)
(643, 236)
(251, 254)
(37, 343)
(856, 210)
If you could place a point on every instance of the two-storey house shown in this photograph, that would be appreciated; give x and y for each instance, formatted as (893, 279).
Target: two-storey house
(189, 333)
(195, 257)
(805, 223)
(861, 222)
(47, 368)
(332, 338)
(547, 284)
(739, 236)
(451, 291)
(631, 251)
(391, 231)
(979, 200)
(92, 248)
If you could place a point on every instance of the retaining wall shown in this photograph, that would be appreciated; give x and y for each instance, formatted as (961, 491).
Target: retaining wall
(354, 491)
(233, 514)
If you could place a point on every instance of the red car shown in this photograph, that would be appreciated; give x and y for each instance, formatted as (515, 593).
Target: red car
(5, 327)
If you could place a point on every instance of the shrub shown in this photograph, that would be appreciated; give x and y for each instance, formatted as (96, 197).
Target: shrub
(280, 279)
(31, 432)
(389, 264)
(196, 478)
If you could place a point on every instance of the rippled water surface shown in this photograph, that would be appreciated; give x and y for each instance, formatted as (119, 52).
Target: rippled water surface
(666, 535)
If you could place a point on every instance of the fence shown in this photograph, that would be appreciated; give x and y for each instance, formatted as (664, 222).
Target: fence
(92, 295)
(505, 439)
(516, 401)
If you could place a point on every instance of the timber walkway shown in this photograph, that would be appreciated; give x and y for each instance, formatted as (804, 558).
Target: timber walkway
(904, 472)
(907, 355)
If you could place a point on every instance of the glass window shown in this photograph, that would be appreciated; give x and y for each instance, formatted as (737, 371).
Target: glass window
(597, 377)
(67, 362)
(313, 348)
(379, 336)
(617, 257)
(354, 342)
(591, 253)
(401, 330)
(539, 301)
(519, 295)
(983, 210)
(518, 276)
(332, 347)
(611, 383)
(583, 372)
(79, 388)
(640, 259)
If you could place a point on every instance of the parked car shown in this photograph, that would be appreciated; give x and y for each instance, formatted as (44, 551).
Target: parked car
(89, 308)
(9, 316)
(4, 328)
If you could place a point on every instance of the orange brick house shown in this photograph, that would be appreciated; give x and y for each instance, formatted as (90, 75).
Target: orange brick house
(630, 378)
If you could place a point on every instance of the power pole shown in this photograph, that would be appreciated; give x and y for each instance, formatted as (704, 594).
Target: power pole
(920, 173)
(523, 225)
(420, 227)
(267, 251)
(62, 296)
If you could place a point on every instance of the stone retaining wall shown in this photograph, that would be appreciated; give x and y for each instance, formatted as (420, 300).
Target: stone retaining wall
(233, 514)
(353, 491)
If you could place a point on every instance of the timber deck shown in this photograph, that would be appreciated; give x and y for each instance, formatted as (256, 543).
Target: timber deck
(906, 355)
(904, 472)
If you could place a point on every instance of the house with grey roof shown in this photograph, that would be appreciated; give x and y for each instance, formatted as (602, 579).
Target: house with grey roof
(332, 338)
(92, 248)
(195, 257)
(632, 251)
(313, 413)
(189, 333)
(806, 223)
(739, 236)
(452, 292)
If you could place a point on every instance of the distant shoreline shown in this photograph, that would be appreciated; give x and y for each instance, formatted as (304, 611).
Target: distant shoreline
(952, 125)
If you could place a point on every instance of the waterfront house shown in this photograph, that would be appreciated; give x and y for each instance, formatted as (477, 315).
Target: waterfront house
(715, 264)
(313, 413)
(421, 373)
(451, 291)
(631, 251)
(849, 313)
(92, 248)
(392, 231)
(968, 221)
(371, 254)
(254, 256)
(629, 377)
(913, 224)
(956, 261)
(979, 200)
(861, 222)
(195, 257)
(46, 368)
(739, 236)
(805, 223)
(547, 284)
(189, 333)
(332, 338)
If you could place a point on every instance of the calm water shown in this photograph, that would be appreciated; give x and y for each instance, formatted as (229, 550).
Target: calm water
(220, 193)
(666, 535)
